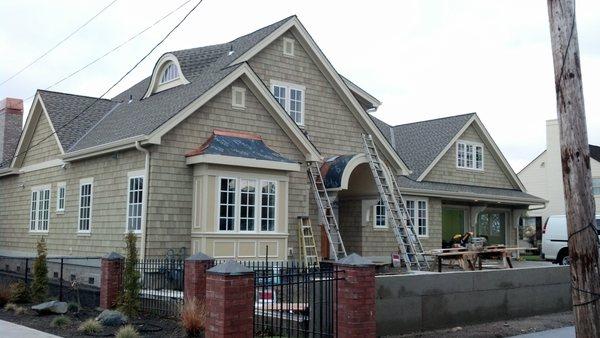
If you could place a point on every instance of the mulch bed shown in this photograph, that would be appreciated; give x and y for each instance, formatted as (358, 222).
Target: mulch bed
(148, 325)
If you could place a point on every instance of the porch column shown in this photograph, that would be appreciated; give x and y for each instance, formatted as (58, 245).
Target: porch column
(356, 297)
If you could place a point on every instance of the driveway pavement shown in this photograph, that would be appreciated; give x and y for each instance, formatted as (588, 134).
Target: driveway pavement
(11, 330)
(564, 332)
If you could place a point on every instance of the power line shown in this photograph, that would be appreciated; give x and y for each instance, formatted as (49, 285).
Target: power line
(108, 90)
(114, 49)
(58, 44)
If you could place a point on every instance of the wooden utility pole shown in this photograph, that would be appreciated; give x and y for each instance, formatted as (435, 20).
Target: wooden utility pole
(577, 179)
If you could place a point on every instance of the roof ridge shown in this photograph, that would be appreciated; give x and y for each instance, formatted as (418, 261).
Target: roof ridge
(431, 120)
(71, 94)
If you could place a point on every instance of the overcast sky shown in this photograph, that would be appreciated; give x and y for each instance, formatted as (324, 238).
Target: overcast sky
(423, 59)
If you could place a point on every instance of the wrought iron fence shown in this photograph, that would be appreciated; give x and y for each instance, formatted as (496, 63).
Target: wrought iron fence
(161, 285)
(294, 300)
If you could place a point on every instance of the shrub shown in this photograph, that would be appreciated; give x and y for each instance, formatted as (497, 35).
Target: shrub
(60, 322)
(127, 331)
(130, 300)
(20, 310)
(73, 307)
(19, 293)
(90, 326)
(5, 294)
(39, 286)
(193, 316)
(10, 307)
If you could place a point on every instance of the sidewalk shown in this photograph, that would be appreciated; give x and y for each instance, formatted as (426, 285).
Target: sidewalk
(564, 332)
(10, 330)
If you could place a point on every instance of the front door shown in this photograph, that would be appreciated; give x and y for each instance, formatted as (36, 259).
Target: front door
(492, 226)
(453, 222)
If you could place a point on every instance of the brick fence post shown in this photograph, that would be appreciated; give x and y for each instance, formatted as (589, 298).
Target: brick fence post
(194, 283)
(230, 301)
(111, 279)
(356, 297)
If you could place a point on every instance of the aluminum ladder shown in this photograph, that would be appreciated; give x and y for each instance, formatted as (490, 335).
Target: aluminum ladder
(324, 205)
(409, 244)
(308, 248)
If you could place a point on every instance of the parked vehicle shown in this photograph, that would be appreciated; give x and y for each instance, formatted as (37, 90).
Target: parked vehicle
(555, 238)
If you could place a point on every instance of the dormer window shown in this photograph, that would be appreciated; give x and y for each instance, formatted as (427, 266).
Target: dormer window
(170, 73)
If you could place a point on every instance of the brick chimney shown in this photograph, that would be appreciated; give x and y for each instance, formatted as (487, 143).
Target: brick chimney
(11, 121)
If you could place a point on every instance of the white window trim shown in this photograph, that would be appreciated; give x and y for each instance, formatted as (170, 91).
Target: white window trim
(37, 206)
(416, 201)
(374, 212)
(242, 92)
(260, 206)
(83, 181)
(292, 43)
(474, 144)
(238, 206)
(130, 175)
(287, 87)
(61, 185)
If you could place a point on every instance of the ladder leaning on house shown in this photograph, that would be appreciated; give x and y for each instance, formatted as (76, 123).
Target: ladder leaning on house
(330, 223)
(308, 248)
(409, 244)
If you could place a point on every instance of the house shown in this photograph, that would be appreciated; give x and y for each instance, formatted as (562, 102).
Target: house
(543, 177)
(209, 153)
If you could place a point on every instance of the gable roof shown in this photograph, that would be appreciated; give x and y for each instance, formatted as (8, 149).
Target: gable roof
(128, 117)
(422, 144)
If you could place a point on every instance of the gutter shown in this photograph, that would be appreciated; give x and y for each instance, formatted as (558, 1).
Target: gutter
(144, 197)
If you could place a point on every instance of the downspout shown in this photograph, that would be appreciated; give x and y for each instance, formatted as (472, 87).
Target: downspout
(145, 197)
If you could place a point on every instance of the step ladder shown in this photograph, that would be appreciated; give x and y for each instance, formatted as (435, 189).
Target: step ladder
(409, 244)
(330, 223)
(308, 248)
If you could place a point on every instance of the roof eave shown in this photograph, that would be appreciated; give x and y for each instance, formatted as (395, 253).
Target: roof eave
(474, 197)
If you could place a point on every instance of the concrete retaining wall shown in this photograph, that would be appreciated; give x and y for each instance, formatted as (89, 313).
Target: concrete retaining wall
(411, 303)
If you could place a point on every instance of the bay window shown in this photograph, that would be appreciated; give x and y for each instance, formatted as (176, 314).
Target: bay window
(243, 203)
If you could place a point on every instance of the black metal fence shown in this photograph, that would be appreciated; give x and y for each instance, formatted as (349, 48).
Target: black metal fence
(71, 279)
(294, 300)
(161, 285)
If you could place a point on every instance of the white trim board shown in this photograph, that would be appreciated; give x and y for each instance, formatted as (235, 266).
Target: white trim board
(242, 162)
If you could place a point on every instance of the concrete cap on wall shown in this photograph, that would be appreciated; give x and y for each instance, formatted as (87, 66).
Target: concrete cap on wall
(231, 268)
(354, 260)
(199, 256)
(112, 256)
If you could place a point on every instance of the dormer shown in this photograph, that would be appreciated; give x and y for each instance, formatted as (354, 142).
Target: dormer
(167, 74)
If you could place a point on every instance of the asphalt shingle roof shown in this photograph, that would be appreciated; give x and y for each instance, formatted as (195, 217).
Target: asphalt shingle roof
(121, 118)
(595, 152)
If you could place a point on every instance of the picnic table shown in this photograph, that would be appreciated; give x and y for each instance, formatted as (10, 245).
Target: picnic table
(468, 259)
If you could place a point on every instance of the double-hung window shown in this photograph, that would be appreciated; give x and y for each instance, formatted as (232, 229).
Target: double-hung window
(291, 98)
(246, 203)
(596, 186)
(61, 192)
(380, 215)
(469, 155)
(135, 200)
(417, 210)
(39, 211)
(85, 205)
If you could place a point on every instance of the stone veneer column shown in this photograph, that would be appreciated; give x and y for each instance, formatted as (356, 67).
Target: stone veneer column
(194, 283)
(356, 297)
(229, 301)
(111, 279)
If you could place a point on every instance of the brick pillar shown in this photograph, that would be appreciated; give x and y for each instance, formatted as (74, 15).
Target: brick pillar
(356, 297)
(194, 283)
(230, 301)
(111, 279)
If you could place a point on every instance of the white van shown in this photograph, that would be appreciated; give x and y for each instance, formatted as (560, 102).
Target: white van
(555, 238)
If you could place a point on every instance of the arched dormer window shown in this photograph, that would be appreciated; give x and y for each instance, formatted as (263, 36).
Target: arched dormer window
(170, 73)
(167, 74)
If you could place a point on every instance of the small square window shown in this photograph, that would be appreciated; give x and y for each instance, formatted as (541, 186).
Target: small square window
(91, 280)
(238, 97)
(288, 47)
(55, 274)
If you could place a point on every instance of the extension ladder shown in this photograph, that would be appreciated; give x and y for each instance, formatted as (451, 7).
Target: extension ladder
(409, 244)
(308, 248)
(324, 204)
